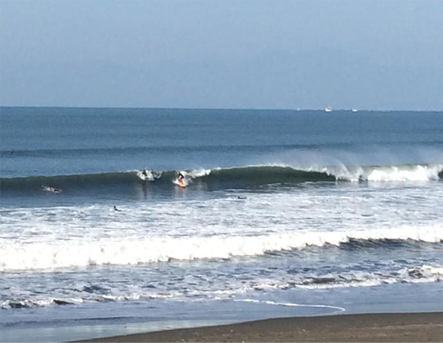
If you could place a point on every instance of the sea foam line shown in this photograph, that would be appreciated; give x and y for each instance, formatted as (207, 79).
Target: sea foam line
(268, 302)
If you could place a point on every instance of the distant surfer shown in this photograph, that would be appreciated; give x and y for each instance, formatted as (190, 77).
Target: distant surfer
(147, 175)
(241, 197)
(181, 180)
(116, 209)
(51, 189)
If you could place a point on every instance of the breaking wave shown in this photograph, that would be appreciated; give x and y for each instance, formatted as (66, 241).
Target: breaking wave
(66, 254)
(220, 178)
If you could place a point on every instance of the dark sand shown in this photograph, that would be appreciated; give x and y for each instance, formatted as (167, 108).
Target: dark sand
(397, 327)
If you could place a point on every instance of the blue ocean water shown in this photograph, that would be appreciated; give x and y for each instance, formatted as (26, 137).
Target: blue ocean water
(284, 213)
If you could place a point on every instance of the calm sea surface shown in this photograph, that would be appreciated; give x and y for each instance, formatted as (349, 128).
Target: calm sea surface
(284, 213)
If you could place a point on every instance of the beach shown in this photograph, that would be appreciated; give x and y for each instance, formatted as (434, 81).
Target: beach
(388, 327)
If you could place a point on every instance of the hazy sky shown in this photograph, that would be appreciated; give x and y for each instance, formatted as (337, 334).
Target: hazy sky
(385, 54)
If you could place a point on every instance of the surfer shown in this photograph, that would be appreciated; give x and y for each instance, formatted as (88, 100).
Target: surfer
(116, 209)
(148, 175)
(51, 189)
(181, 180)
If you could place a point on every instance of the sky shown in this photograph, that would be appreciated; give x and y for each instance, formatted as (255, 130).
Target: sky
(273, 54)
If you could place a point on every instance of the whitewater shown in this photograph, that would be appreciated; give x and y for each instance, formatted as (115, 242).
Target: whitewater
(284, 213)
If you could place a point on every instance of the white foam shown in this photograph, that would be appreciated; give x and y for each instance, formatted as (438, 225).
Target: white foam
(194, 174)
(148, 175)
(232, 288)
(39, 303)
(198, 173)
(65, 254)
(383, 173)
(416, 173)
(424, 273)
(268, 302)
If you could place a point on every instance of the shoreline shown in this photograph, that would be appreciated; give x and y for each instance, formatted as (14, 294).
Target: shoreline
(383, 327)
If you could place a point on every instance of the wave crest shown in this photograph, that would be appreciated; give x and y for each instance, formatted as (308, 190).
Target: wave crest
(220, 178)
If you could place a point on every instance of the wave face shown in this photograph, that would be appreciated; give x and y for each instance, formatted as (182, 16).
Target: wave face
(220, 178)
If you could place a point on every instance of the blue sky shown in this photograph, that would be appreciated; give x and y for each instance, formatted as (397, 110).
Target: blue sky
(377, 54)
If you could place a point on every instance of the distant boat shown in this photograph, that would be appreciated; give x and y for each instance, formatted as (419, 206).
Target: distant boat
(329, 109)
(354, 110)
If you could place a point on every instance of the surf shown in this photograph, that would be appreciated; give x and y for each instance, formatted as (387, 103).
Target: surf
(222, 178)
(48, 255)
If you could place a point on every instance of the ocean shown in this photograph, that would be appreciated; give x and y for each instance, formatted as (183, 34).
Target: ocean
(285, 213)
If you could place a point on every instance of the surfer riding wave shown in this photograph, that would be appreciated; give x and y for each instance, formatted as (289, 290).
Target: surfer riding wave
(181, 180)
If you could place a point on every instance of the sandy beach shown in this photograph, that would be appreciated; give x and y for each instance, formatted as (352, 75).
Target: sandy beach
(396, 327)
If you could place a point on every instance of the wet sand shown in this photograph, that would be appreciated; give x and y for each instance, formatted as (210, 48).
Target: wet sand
(395, 327)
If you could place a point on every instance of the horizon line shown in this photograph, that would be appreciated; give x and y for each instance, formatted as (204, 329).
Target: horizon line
(224, 109)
